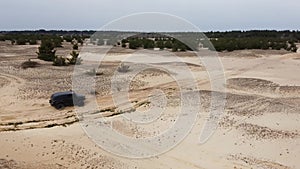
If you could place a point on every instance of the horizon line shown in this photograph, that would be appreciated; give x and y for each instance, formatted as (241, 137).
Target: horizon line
(90, 30)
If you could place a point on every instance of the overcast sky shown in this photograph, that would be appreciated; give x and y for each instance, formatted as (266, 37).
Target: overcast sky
(205, 14)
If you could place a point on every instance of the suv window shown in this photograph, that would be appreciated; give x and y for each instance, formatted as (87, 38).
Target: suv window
(69, 95)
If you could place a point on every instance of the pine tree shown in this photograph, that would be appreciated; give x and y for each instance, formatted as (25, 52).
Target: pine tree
(46, 51)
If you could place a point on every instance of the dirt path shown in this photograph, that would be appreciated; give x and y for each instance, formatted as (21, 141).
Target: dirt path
(18, 114)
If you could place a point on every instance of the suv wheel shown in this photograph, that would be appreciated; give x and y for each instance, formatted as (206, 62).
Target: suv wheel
(59, 106)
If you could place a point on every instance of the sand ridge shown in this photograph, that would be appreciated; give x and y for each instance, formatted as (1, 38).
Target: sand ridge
(259, 129)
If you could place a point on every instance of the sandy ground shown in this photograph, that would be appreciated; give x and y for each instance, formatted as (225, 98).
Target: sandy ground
(259, 129)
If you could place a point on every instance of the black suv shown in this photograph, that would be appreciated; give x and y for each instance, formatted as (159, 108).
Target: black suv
(62, 99)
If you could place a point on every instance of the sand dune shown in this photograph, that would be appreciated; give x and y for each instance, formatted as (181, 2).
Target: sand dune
(259, 128)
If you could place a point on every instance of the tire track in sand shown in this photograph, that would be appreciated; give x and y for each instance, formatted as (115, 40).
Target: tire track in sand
(16, 114)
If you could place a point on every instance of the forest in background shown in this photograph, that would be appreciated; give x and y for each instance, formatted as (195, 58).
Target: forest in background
(221, 41)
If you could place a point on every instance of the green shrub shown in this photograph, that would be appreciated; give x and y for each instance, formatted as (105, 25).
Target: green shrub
(59, 61)
(32, 42)
(75, 46)
(57, 42)
(12, 42)
(21, 41)
(46, 51)
(75, 59)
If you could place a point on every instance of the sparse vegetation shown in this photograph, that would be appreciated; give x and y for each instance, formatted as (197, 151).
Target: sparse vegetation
(75, 46)
(75, 58)
(47, 51)
(123, 68)
(59, 61)
(260, 110)
(29, 64)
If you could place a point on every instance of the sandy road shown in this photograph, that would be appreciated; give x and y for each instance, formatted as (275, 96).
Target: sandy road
(17, 114)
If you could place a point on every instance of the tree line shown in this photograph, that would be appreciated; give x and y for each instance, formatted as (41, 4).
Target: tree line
(255, 39)
(32, 37)
(161, 43)
(221, 41)
(231, 44)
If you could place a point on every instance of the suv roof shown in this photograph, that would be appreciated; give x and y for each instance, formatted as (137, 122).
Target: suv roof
(62, 94)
